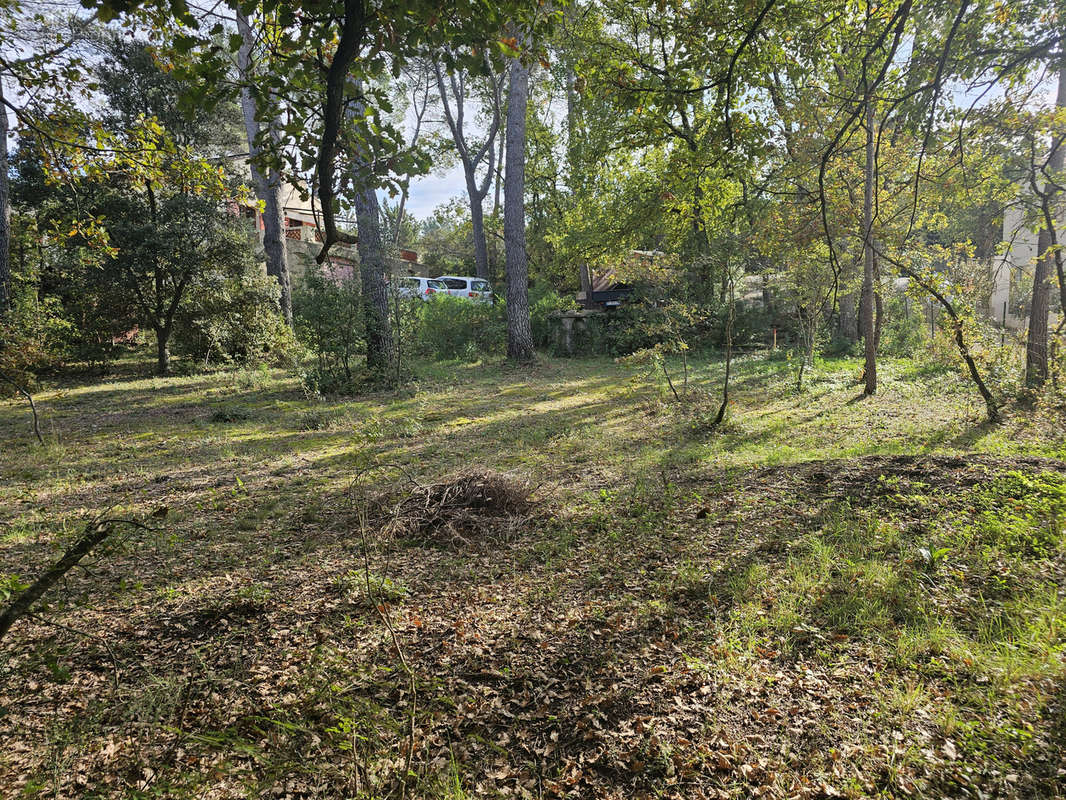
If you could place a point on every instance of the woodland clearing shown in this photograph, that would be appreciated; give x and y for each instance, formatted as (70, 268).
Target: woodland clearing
(826, 596)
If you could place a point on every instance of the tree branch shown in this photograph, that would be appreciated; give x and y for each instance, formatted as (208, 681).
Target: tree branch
(95, 532)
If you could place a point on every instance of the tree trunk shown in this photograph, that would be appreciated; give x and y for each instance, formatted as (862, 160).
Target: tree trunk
(349, 46)
(472, 157)
(399, 217)
(519, 332)
(5, 213)
(879, 308)
(494, 263)
(867, 303)
(477, 226)
(162, 346)
(499, 177)
(277, 258)
(1036, 367)
(379, 347)
(728, 354)
(267, 187)
(1036, 346)
(18, 387)
(94, 533)
(585, 276)
(960, 338)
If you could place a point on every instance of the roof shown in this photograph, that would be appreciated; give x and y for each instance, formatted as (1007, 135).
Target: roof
(603, 282)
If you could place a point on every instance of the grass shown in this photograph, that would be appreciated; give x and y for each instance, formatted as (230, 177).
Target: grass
(827, 596)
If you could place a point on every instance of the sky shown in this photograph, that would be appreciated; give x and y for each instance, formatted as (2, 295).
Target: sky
(430, 191)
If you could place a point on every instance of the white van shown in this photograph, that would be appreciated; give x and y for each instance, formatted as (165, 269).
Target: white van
(424, 288)
(469, 288)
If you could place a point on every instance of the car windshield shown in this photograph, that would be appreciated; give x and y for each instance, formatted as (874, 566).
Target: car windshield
(481, 286)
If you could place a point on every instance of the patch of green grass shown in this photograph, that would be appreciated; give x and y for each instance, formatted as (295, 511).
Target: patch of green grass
(233, 413)
(370, 590)
(1020, 514)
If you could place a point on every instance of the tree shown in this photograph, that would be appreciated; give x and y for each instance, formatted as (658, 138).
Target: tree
(160, 192)
(519, 330)
(5, 211)
(148, 199)
(267, 181)
(379, 340)
(867, 306)
(456, 91)
(320, 87)
(1048, 255)
(165, 235)
(397, 226)
(444, 240)
(316, 55)
(38, 59)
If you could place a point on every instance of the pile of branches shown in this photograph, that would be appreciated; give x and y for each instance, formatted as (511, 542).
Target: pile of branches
(475, 504)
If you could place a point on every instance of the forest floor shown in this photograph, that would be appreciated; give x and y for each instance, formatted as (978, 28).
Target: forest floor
(828, 596)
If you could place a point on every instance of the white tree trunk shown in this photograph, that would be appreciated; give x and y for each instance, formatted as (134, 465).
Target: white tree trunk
(470, 158)
(477, 228)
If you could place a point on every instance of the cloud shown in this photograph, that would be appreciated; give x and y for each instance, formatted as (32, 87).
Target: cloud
(430, 191)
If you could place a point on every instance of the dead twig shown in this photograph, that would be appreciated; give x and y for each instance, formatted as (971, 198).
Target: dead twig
(33, 408)
(381, 607)
(467, 501)
(107, 645)
(95, 532)
(472, 502)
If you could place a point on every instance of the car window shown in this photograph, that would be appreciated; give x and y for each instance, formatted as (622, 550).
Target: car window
(455, 283)
(481, 286)
(409, 283)
(436, 285)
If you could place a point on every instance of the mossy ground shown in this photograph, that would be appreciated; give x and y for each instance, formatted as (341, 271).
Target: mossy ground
(828, 595)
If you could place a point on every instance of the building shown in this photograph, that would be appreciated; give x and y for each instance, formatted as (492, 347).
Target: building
(607, 288)
(303, 240)
(1013, 271)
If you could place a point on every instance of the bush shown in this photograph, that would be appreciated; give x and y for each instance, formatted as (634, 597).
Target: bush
(903, 329)
(328, 317)
(31, 339)
(542, 304)
(233, 413)
(233, 316)
(320, 419)
(451, 327)
(638, 324)
(103, 321)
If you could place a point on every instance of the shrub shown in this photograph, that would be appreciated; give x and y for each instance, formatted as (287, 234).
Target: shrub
(450, 327)
(903, 331)
(641, 323)
(542, 304)
(31, 339)
(328, 317)
(228, 413)
(320, 419)
(233, 316)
